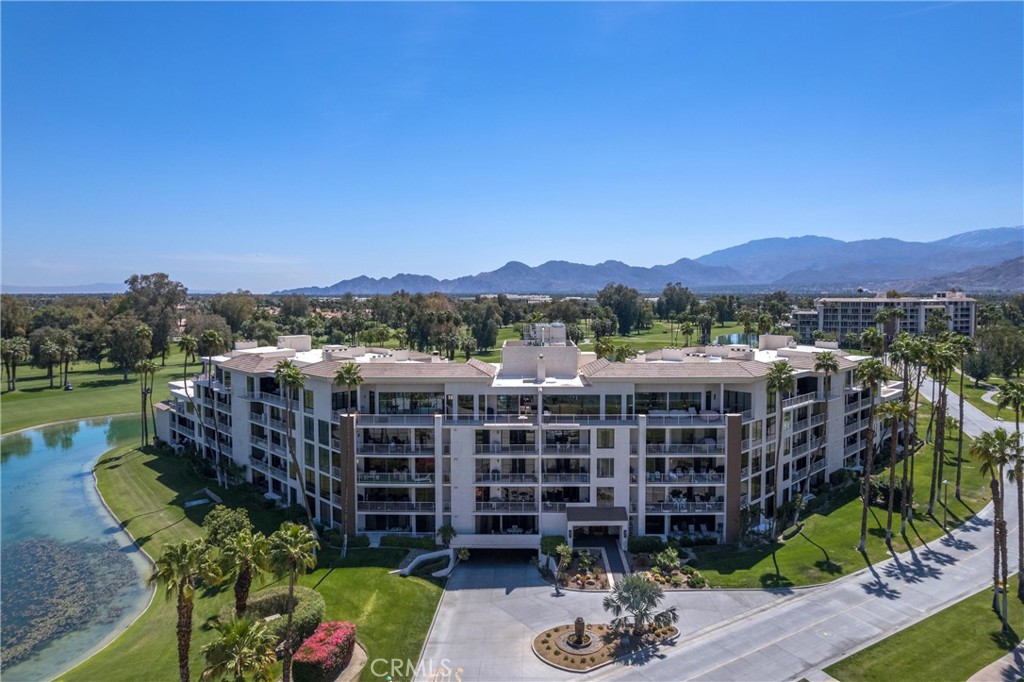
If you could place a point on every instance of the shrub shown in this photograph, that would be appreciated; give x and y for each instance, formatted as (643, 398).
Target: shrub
(408, 542)
(668, 558)
(309, 610)
(425, 569)
(677, 581)
(645, 543)
(549, 543)
(355, 541)
(325, 653)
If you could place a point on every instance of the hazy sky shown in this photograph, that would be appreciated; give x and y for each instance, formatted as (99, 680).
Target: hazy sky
(265, 146)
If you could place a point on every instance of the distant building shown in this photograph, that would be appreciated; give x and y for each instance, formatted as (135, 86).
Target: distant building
(551, 441)
(841, 316)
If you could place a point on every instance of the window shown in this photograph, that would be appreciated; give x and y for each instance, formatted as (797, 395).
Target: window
(227, 379)
(613, 406)
(606, 497)
(605, 467)
(307, 430)
(605, 438)
(307, 400)
(250, 385)
(325, 432)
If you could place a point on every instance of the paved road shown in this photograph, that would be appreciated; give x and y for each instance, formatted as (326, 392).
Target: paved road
(727, 634)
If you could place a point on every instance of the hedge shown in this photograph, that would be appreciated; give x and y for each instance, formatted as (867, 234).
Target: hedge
(326, 652)
(427, 568)
(309, 610)
(408, 542)
(645, 543)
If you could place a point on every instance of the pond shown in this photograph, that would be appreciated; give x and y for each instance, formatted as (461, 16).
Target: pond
(733, 339)
(72, 580)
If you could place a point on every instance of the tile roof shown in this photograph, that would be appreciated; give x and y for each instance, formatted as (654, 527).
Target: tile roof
(726, 369)
(253, 364)
(806, 361)
(401, 370)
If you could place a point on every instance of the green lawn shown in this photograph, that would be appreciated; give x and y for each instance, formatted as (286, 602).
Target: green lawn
(826, 547)
(973, 395)
(968, 634)
(96, 394)
(148, 493)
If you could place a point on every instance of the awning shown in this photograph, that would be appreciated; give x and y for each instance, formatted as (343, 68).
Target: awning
(596, 515)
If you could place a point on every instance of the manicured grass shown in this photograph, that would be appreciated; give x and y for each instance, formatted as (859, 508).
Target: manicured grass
(148, 493)
(968, 634)
(96, 394)
(973, 395)
(826, 547)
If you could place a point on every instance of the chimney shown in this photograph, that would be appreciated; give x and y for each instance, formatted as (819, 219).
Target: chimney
(541, 373)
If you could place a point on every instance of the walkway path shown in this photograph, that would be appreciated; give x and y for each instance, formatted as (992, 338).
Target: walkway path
(610, 545)
(727, 634)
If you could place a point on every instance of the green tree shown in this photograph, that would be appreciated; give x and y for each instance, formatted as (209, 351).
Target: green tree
(15, 351)
(146, 370)
(873, 341)
(130, 341)
(625, 303)
(244, 651)
(1011, 395)
(154, 298)
(224, 523)
(446, 533)
(993, 450)
(780, 381)
(638, 597)
(941, 361)
(962, 347)
(292, 553)
(1016, 476)
(291, 380)
(893, 413)
(180, 570)
(49, 354)
(246, 555)
(871, 373)
(563, 556)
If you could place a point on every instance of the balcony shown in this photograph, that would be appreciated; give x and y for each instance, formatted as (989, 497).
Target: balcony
(336, 472)
(585, 420)
(404, 478)
(851, 449)
(259, 442)
(802, 399)
(388, 419)
(399, 506)
(685, 507)
(565, 478)
(259, 465)
(566, 449)
(394, 449)
(279, 425)
(501, 506)
(506, 449)
(685, 449)
(855, 427)
(680, 418)
(671, 477)
(750, 443)
(258, 417)
(506, 478)
(271, 398)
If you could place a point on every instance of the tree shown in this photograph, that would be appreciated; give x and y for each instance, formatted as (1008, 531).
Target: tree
(15, 351)
(871, 373)
(130, 341)
(245, 553)
(146, 369)
(962, 346)
(639, 597)
(686, 329)
(1016, 476)
(67, 348)
(236, 308)
(873, 341)
(180, 570)
(245, 648)
(223, 523)
(154, 299)
(14, 316)
(445, 533)
(625, 303)
(828, 364)
(893, 413)
(350, 376)
(941, 361)
(563, 554)
(993, 449)
(291, 380)
(780, 380)
(1011, 395)
(49, 354)
(292, 553)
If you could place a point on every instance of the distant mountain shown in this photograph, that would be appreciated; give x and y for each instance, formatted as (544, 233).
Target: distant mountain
(805, 264)
(66, 289)
(1006, 276)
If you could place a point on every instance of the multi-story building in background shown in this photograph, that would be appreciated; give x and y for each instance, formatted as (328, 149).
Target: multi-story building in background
(842, 316)
(551, 440)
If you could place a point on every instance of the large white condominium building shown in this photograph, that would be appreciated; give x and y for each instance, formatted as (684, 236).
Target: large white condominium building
(843, 316)
(549, 441)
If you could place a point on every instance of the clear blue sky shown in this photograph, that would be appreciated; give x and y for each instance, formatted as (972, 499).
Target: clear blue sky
(266, 146)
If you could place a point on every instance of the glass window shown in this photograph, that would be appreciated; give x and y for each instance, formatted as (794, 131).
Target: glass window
(325, 432)
(737, 401)
(645, 402)
(227, 379)
(307, 399)
(606, 497)
(612, 406)
(605, 438)
(250, 385)
(307, 431)
(605, 467)
(308, 454)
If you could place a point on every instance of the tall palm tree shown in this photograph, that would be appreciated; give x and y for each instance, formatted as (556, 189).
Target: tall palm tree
(873, 341)
(962, 346)
(1016, 476)
(291, 380)
(825, 363)
(893, 413)
(16, 351)
(941, 362)
(292, 553)
(67, 347)
(211, 343)
(245, 648)
(145, 369)
(180, 570)
(686, 329)
(1011, 394)
(246, 555)
(350, 376)
(49, 354)
(780, 380)
(639, 597)
(993, 449)
(918, 349)
(189, 347)
(872, 373)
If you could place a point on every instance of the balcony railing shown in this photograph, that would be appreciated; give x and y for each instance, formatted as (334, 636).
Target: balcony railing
(505, 449)
(665, 418)
(336, 472)
(389, 419)
(506, 478)
(394, 449)
(258, 417)
(258, 441)
(685, 507)
(802, 399)
(565, 478)
(525, 507)
(277, 424)
(399, 477)
(259, 464)
(750, 443)
(851, 449)
(271, 398)
(855, 426)
(371, 505)
(565, 449)
(585, 419)
(712, 478)
(685, 449)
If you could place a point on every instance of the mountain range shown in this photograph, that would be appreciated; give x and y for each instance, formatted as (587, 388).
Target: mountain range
(798, 264)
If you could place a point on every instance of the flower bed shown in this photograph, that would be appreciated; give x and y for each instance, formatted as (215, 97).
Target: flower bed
(549, 646)
(667, 570)
(585, 572)
(325, 653)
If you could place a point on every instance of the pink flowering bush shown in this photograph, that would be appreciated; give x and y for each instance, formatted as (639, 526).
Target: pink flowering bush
(323, 656)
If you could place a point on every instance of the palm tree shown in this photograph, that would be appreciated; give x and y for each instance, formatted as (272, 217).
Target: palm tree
(563, 554)
(686, 329)
(893, 413)
(181, 569)
(873, 342)
(212, 343)
(780, 380)
(67, 347)
(245, 648)
(871, 372)
(639, 597)
(828, 364)
(15, 351)
(49, 354)
(962, 346)
(246, 554)
(1011, 394)
(189, 347)
(145, 369)
(941, 361)
(292, 553)
(350, 376)
(291, 380)
(1016, 476)
(445, 533)
(993, 449)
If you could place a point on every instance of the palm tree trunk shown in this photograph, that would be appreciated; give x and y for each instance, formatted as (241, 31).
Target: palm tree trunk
(994, 485)
(778, 463)
(1003, 550)
(242, 584)
(892, 484)
(184, 635)
(912, 447)
(960, 435)
(937, 450)
(866, 483)
(286, 658)
(300, 475)
(1020, 531)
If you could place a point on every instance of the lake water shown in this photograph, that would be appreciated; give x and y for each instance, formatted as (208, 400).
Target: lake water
(72, 580)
